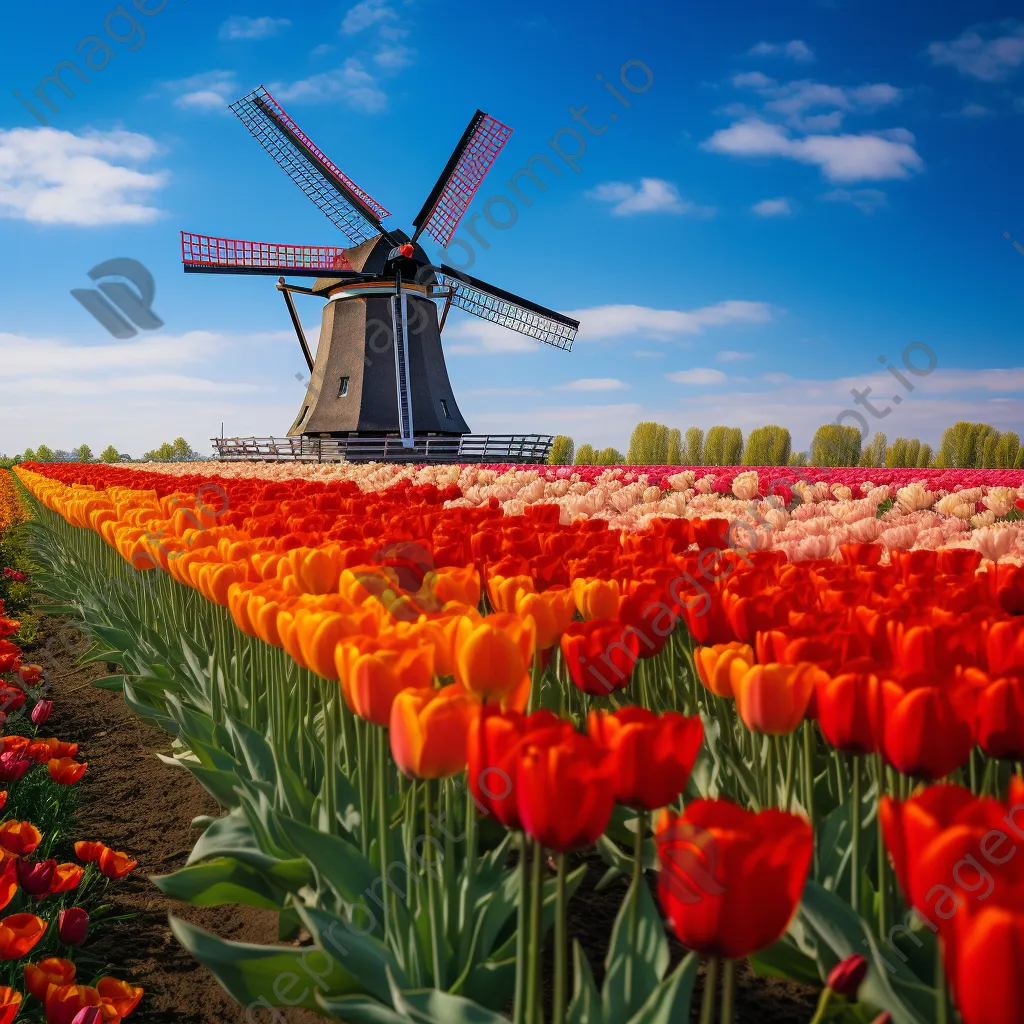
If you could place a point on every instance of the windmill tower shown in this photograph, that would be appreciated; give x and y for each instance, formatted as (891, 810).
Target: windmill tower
(379, 368)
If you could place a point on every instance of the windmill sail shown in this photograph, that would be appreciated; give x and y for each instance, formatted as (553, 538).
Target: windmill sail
(352, 210)
(204, 254)
(500, 307)
(467, 167)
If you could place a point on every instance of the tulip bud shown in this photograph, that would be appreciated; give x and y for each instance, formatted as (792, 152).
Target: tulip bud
(35, 876)
(72, 925)
(88, 1015)
(845, 978)
(41, 712)
(885, 1017)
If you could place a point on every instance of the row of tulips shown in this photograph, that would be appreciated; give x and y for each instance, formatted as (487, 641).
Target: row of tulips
(41, 896)
(581, 680)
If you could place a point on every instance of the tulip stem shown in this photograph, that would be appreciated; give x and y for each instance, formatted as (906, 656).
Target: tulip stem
(883, 863)
(561, 965)
(941, 1009)
(808, 771)
(790, 761)
(771, 793)
(707, 1003)
(634, 898)
(855, 837)
(381, 743)
(428, 856)
(519, 1005)
(728, 991)
(534, 1010)
(823, 1001)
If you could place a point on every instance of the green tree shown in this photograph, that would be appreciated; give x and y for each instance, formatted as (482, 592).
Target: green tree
(674, 456)
(797, 459)
(835, 445)
(29, 456)
(1006, 449)
(648, 444)
(165, 453)
(110, 454)
(585, 456)
(925, 458)
(723, 446)
(183, 451)
(874, 453)
(44, 453)
(768, 446)
(694, 446)
(965, 445)
(561, 451)
(83, 453)
(609, 457)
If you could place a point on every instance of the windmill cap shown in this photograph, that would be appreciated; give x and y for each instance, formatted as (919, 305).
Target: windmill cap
(407, 250)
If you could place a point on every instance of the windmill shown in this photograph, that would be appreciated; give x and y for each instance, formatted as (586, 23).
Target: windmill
(379, 368)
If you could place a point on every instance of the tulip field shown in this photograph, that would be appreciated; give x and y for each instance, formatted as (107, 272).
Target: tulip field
(780, 709)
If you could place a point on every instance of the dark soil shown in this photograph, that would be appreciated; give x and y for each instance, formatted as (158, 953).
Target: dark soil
(133, 801)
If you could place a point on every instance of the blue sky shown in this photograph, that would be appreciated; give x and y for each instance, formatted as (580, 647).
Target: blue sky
(801, 189)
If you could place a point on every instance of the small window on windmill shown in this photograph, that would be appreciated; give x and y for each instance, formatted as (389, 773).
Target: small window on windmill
(343, 387)
(444, 409)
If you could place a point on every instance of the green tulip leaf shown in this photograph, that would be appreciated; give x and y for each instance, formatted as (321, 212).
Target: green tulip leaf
(669, 1003)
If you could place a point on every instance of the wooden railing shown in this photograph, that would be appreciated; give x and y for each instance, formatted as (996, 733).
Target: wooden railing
(522, 449)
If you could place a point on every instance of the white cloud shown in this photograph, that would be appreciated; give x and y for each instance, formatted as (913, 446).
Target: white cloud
(240, 26)
(351, 84)
(365, 14)
(48, 176)
(991, 59)
(626, 320)
(593, 384)
(972, 110)
(753, 80)
(780, 207)
(208, 92)
(732, 356)
(867, 200)
(844, 158)
(654, 195)
(473, 336)
(392, 58)
(795, 49)
(698, 375)
(320, 49)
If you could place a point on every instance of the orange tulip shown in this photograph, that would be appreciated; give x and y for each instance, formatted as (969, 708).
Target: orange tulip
(115, 863)
(19, 837)
(66, 877)
(119, 994)
(65, 770)
(319, 634)
(3, 798)
(492, 658)
(551, 612)
(720, 666)
(8, 881)
(372, 675)
(429, 730)
(18, 934)
(454, 584)
(51, 971)
(596, 598)
(505, 591)
(773, 698)
(88, 852)
(63, 1002)
(45, 750)
(10, 1002)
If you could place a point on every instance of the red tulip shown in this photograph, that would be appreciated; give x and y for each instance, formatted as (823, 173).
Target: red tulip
(846, 977)
(35, 876)
(8, 881)
(845, 706)
(72, 926)
(51, 971)
(731, 880)
(652, 756)
(600, 655)
(88, 852)
(493, 745)
(19, 837)
(985, 973)
(565, 790)
(119, 994)
(65, 771)
(65, 1002)
(10, 1002)
(13, 766)
(66, 877)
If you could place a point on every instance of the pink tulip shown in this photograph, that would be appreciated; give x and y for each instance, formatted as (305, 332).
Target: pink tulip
(72, 926)
(88, 1015)
(13, 765)
(41, 712)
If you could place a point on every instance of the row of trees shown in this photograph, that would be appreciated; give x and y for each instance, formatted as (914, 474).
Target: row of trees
(964, 446)
(178, 450)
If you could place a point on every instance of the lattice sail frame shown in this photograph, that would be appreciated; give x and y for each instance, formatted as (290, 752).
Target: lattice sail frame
(205, 252)
(350, 208)
(546, 326)
(477, 150)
